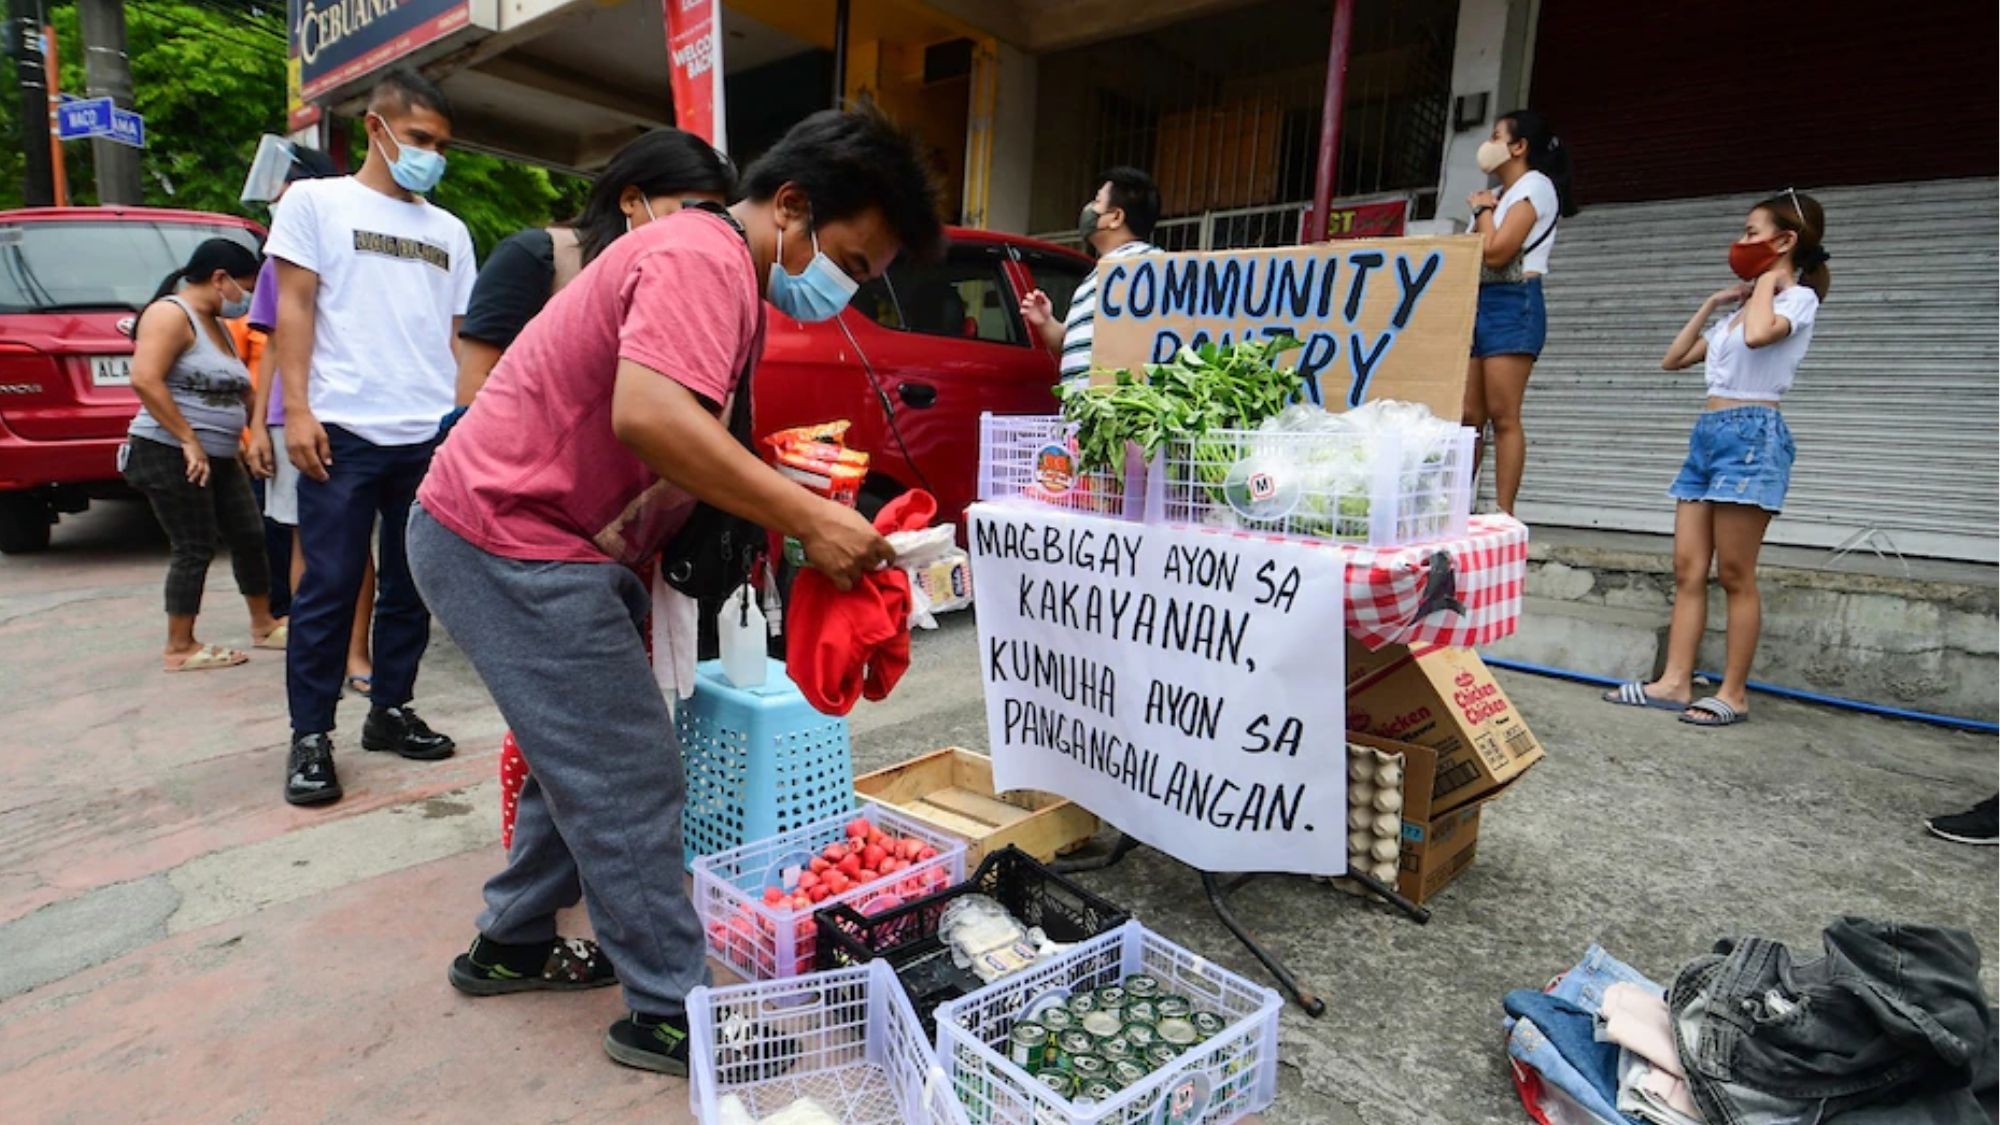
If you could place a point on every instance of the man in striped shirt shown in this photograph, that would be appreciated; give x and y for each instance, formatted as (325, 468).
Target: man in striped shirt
(1116, 223)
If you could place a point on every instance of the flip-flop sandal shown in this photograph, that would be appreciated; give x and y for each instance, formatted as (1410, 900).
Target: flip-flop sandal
(209, 657)
(1634, 695)
(574, 964)
(1712, 712)
(276, 638)
(361, 685)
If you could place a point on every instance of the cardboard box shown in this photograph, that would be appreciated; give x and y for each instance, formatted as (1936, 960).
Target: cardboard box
(1444, 699)
(1436, 847)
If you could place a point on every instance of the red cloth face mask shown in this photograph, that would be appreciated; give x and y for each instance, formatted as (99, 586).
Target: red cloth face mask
(1749, 260)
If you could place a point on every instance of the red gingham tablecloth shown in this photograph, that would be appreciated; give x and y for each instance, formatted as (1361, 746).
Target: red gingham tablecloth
(1407, 595)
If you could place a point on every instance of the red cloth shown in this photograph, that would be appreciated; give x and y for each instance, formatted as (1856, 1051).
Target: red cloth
(839, 646)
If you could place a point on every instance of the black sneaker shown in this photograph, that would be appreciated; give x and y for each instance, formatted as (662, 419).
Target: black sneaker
(491, 968)
(309, 775)
(1979, 824)
(650, 1043)
(397, 730)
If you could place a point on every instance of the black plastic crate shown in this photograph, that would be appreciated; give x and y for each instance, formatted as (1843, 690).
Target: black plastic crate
(906, 936)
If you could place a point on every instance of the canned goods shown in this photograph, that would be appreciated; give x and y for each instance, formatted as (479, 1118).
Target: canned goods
(1175, 1007)
(1117, 1049)
(1141, 986)
(1098, 1091)
(1027, 1046)
(1140, 1011)
(1089, 1067)
(1081, 1002)
(1208, 1025)
(1100, 1024)
(1179, 1032)
(1161, 1054)
(1128, 1072)
(1075, 1042)
(1110, 997)
(1141, 1035)
(1057, 1019)
(1061, 1082)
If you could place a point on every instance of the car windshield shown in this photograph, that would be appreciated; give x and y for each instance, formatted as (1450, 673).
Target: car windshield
(96, 263)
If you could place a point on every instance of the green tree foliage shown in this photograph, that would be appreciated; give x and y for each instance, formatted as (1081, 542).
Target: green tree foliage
(209, 78)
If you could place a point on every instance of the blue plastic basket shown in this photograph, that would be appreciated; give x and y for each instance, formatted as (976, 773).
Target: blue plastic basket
(759, 761)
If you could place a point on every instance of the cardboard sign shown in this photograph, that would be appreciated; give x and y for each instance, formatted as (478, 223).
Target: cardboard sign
(1172, 681)
(1377, 319)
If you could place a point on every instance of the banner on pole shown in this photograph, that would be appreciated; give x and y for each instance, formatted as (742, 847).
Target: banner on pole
(1387, 318)
(1177, 683)
(694, 57)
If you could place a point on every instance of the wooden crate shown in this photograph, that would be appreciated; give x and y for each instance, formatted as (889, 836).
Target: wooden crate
(953, 789)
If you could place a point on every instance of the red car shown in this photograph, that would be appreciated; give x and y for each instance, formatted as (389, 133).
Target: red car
(917, 357)
(71, 281)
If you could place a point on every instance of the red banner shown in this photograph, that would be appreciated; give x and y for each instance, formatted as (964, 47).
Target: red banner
(694, 57)
(1383, 219)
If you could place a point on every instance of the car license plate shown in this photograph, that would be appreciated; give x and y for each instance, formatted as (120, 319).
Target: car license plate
(111, 370)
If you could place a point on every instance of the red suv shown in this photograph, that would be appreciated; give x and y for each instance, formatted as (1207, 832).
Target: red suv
(917, 357)
(71, 281)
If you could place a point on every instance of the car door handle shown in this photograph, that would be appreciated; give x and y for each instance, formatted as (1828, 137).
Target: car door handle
(919, 395)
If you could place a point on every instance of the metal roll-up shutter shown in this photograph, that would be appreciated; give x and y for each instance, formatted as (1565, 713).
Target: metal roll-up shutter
(1895, 406)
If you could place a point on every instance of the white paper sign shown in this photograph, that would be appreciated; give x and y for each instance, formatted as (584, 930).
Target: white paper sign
(1185, 686)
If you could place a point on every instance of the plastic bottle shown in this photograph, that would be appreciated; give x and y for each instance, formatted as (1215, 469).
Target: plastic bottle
(740, 630)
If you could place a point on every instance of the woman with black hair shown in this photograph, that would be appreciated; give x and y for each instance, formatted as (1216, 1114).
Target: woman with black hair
(646, 180)
(1519, 223)
(182, 452)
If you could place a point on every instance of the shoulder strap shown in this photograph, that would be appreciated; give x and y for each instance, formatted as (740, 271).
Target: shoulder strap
(739, 407)
(1546, 235)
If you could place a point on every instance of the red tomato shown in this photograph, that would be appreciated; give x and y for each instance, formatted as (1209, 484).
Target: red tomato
(908, 849)
(837, 883)
(819, 863)
(802, 902)
(926, 852)
(773, 895)
(808, 880)
(834, 852)
(817, 893)
(873, 855)
(849, 865)
(866, 876)
(859, 828)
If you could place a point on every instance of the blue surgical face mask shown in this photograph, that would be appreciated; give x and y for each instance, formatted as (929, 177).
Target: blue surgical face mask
(240, 306)
(815, 295)
(414, 169)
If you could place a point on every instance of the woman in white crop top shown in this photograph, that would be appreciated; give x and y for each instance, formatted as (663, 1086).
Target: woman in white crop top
(1739, 460)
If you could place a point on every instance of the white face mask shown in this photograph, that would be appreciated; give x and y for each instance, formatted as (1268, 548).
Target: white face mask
(648, 205)
(1491, 155)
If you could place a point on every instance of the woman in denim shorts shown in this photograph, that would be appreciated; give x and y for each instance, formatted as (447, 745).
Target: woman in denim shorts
(1739, 460)
(1519, 223)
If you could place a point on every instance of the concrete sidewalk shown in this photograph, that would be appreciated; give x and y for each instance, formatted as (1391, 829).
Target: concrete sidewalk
(178, 945)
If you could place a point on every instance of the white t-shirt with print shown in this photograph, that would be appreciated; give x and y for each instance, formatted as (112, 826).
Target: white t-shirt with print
(1540, 191)
(392, 275)
(1737, 370)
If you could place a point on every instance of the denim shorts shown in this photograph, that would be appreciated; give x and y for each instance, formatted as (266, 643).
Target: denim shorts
(1738, 456)
(1513, 320)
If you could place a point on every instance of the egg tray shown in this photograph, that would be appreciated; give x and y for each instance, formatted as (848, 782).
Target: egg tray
(1374, 815)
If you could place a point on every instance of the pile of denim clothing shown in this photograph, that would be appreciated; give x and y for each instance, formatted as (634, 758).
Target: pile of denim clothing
(1888, 1025)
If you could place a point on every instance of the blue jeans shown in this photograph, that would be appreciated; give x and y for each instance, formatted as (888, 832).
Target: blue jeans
(1738, 456)
(1583, 987)
(336, 522)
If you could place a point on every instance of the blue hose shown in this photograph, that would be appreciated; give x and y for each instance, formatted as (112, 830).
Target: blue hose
(1952, 722)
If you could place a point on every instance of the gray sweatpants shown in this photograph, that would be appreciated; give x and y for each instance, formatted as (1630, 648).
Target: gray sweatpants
(559, 647)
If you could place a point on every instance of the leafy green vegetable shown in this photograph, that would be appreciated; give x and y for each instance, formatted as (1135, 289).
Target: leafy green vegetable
(1198, 390)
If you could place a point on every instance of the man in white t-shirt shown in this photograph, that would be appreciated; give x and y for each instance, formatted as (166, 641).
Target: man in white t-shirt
(372, 282)
(1116, 223)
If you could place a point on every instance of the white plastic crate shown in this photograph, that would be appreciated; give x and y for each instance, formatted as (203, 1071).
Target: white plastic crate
(1374, 490)
(1033, 457)
(1233, 1074)
(763, 942)
(847, 1039)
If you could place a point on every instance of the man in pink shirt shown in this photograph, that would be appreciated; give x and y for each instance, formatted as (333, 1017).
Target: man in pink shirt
(584, 453)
